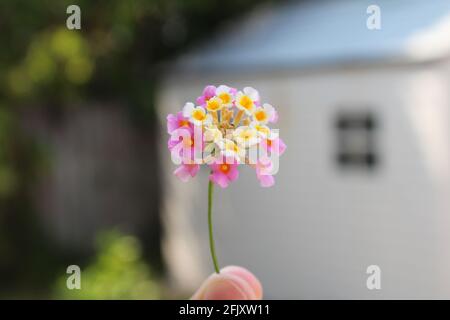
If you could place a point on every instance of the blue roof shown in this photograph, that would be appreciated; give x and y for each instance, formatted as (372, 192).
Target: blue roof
(316, 33)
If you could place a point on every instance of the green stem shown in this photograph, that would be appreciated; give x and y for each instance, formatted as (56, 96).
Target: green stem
(210, 227)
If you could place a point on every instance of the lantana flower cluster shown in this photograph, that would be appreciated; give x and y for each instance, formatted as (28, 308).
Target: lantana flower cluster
(224, 129)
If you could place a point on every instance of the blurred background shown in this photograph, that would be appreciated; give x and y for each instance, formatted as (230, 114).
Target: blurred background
(79, 137)
(85, 178)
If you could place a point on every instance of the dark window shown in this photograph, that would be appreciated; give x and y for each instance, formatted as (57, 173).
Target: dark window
(356, 140)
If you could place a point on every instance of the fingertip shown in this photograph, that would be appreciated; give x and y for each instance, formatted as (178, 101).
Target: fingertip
(232, 283)
(227, 287)
(248, 277)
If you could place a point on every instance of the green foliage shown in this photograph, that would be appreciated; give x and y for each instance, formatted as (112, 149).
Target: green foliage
(114, 54)
(58, 58)
(118, 272)
(8, 178)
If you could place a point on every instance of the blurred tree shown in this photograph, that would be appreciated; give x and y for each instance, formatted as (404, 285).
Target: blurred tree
(114, 56)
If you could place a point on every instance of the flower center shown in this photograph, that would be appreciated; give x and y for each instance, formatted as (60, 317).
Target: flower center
(269, 143)
(246, 103)
(183, 123)
(199, 115)
(213, 105)
(260, 115)
(225, 97)
(224, 168)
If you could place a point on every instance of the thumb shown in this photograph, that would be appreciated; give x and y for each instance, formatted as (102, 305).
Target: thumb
(232, 283)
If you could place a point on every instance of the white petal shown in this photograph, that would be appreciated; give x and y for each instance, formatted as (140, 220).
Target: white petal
(187, 109)
(252, 93)
(222, 89)
(238, 97)
(269, 110)
(200, 108)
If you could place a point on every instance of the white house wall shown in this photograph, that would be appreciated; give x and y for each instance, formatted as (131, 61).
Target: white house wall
(314, 234)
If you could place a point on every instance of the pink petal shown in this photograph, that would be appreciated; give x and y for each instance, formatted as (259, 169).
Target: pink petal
(277, 147)
(209, 92)
(281, 146)
(219, 179)
(171, 144)
(185, 171)
(266, 180)
(214, 166)
(172, 123)
(274, 117)
(201, 101)
(193, 169)
(233, 174)
(182, 173)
